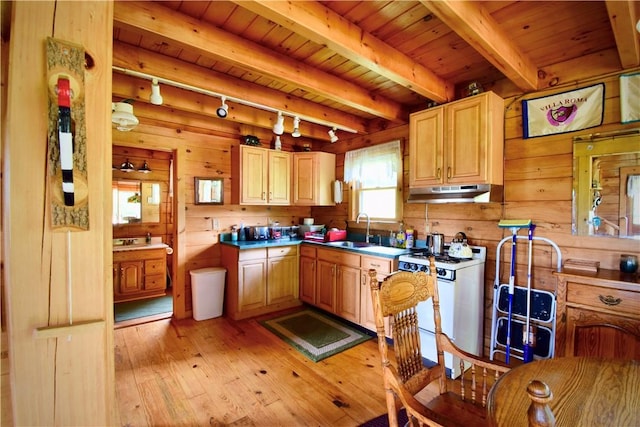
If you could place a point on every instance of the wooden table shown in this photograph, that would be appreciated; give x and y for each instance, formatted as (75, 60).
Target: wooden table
(586, 392)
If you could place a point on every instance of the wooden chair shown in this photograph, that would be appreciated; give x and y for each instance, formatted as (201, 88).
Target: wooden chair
(445, 402)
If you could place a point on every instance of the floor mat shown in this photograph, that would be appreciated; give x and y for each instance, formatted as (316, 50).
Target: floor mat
(315, 335)
(142, 308)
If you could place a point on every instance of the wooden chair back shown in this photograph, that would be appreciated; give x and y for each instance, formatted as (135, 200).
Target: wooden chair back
(445, 402)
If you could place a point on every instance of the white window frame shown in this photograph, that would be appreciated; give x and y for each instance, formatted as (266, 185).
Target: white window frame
(357, 165)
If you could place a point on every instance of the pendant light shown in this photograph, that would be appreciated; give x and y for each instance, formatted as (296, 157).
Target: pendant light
(127, 166)
(144, 168)
(122, 116)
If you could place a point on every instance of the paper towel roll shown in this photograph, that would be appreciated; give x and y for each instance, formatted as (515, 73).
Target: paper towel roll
(337, 191)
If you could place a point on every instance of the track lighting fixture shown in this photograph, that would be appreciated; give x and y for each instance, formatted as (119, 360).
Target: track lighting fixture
(278, 127)
(332, 135)
(155, 98)
(223, 110)
(278, 143)
(123, 117)
(296, 127)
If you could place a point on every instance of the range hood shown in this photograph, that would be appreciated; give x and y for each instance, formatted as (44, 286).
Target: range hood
(474, 193)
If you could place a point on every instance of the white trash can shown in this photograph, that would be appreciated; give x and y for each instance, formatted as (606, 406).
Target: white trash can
(207, 292)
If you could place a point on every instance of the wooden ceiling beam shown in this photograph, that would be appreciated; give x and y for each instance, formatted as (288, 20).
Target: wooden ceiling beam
(323, 26)
(622, 16)
(476, 26)
(210, 41)
(144, 61)
(175, 99)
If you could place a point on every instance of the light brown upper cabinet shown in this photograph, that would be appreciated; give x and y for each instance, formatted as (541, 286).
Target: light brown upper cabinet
(313, 177)
(461, 142)
(264, 176)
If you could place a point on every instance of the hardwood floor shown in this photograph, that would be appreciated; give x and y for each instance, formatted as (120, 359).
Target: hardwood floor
(219, 372)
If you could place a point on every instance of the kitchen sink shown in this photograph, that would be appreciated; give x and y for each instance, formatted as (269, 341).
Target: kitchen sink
(349, 244)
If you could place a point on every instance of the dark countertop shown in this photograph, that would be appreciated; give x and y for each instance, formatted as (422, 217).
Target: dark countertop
(374, 250)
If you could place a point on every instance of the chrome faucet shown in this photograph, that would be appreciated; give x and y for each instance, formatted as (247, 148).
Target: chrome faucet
(368, 224)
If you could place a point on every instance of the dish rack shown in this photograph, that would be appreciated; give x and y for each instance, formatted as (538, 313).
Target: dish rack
(329, 236)
(542, 312)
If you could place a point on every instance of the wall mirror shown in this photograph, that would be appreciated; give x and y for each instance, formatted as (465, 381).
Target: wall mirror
(606, 185)
(209, 191)
(135, 202)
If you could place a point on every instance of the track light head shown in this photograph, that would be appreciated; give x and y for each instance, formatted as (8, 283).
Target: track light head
(223, 110)
(332, 135)
(278, 127)
(296, 127)
(155, 98)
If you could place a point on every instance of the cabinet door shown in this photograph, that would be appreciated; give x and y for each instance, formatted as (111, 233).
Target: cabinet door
(348, 293)
(304, 186)
(130, 277)
(325, 285)
(279, 178)
(597, 334)
(308, 280)
(426, 145)
(367, 317)
(252, 284)
(467, 141)
(254, 170)
(282, 283)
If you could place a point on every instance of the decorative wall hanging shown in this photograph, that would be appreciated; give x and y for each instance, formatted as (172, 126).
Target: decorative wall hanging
(66, 153)
(563, 112)
(629, 98)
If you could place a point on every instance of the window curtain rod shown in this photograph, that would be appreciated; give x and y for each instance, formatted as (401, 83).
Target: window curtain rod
(229, 98)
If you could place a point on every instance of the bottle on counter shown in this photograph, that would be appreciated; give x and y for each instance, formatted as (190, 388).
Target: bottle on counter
(409, 239)
(234, 234)
(392, 239)
(148, 240)
(401, 237)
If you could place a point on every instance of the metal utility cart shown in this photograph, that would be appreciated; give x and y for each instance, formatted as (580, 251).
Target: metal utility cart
(542, 312)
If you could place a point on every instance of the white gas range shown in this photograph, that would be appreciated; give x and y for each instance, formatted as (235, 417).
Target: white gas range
(461, 292)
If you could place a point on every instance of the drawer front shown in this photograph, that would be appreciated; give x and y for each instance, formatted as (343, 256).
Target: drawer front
(138, 254)
(381, 265)
(157, 281)
(279, 251)
(339, 257)
(308, 251)
(154, 266)
(604, 298)
(248, 254)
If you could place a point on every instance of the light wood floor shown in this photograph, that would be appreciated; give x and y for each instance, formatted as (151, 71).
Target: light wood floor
(219, 372)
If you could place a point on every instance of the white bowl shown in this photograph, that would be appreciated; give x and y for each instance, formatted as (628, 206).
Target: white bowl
(307, 221)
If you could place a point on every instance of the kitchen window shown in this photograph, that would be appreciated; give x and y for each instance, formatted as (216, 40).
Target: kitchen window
(375, 177)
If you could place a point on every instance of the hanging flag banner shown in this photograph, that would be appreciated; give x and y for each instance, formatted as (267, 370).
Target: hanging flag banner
(629, 96)
(563, 112)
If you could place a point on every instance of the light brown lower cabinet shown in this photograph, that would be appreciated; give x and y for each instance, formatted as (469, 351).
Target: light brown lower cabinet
(598, 315)
(261, 280)
(341, 282)
(139, 274)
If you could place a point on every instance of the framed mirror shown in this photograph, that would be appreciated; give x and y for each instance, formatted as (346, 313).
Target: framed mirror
(135, 202)
(209, 191)
(606, 185)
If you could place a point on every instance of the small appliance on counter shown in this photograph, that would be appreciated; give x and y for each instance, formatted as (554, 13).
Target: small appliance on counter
(303, 229)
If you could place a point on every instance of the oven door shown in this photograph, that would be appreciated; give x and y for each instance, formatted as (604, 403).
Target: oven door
(446, 292)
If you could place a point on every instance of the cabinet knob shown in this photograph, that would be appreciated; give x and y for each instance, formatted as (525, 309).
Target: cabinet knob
(609, 300)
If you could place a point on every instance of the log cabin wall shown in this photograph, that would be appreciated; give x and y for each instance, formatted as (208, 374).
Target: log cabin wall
(538, 185)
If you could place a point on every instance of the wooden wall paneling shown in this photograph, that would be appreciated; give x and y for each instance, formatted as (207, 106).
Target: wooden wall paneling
(66, 377)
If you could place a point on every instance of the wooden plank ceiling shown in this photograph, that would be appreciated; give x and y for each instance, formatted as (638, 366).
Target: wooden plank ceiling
(361, 65)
